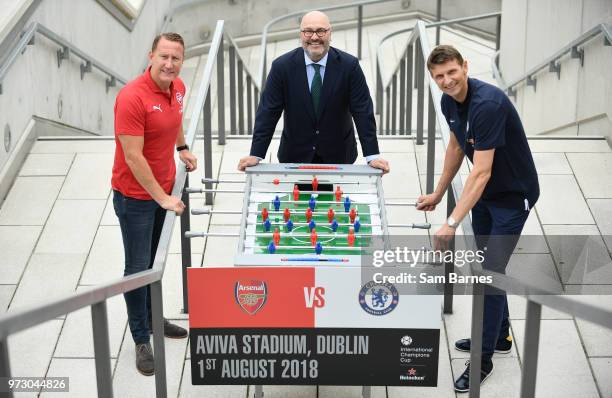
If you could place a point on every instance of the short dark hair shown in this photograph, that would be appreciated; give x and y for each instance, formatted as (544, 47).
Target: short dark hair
(170, 36)
(443, 54)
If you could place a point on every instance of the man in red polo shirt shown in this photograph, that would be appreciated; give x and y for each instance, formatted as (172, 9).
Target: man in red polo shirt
(148, 126)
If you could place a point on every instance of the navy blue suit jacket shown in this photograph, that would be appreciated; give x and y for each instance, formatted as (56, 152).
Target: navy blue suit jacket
(329, 135)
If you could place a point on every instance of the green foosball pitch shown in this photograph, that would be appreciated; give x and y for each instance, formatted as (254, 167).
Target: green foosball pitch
(323, 226)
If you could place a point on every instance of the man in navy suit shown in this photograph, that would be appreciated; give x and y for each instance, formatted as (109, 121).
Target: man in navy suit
(321, 90)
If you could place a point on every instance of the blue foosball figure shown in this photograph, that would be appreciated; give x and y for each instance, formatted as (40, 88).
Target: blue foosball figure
(334, 225)
(276, 203)
(347, 204)
(318, 248)
(289, 225)
(312, 225)
(267, 225)
(271, 248)
(312, 203)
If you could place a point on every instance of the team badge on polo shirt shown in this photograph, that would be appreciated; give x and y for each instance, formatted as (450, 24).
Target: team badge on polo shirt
(179, 99)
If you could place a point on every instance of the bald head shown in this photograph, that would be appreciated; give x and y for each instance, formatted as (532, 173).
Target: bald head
(315, 34)
(315, 18)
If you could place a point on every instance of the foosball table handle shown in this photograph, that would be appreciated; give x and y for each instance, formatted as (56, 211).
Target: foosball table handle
(197, 212)
(421, 225)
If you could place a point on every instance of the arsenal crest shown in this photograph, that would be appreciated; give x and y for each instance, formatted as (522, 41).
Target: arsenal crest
(251, 295)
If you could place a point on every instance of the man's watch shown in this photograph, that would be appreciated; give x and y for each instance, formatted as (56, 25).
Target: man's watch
(182, 147)
(451, 222)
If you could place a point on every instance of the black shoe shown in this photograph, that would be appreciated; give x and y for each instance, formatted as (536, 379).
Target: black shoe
(462, 384)
(503, 346)
(171, 330)
(144, 359)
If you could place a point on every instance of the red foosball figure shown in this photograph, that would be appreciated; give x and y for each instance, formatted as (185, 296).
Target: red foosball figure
(276, 237)
(313, 237)
(338, 193)
(296, 192)
(315, 184)
(308, 214)
(352, 215)
(351, 237)
(330, 214)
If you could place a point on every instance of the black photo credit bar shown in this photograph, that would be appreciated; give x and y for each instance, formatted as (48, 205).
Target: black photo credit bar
(319, 356)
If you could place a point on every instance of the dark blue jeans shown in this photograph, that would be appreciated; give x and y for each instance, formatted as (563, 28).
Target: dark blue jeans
(498, 229)
(141, 223)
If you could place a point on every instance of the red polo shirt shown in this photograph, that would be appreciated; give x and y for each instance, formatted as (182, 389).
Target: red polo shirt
(143, 109)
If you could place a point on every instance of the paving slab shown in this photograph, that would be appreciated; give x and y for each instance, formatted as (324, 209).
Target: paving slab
(564, 145)
(551, 163)
(592, 183)
(108, 216)
(46, 164)
(81, 373)
(227, 201)
(106, 258)
(602, 368)
(537, 270)
(401, 182)
(580, 254)
(30, 351)
(561, 201)
(197, 223)
(189, 390)
(173, 286)
(76, 338)
(517, 306)
(532, 238)
(421, 157)
(89, 177)
(349, 392)
(596, 339)
(220, 252)
(128, 382)
(395, 145)
(602, 212)
(6, 295)
(16, 243)
(40, 282)
(563, 370)
(74, 146)
(71, 226)
(286, 391)
(30, 200)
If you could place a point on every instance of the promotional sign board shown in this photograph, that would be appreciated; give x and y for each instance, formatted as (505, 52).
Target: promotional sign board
(310, 325)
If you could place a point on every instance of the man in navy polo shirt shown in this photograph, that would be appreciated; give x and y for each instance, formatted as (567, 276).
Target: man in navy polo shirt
(500, 190)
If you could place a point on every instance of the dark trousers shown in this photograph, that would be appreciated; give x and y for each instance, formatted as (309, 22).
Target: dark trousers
(498, 229)
(141, 223)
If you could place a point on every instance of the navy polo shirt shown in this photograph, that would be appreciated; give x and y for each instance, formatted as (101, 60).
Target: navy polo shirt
(486, 120)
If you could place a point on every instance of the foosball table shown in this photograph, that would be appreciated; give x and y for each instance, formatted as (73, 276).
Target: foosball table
(297, 288)
(302, 214)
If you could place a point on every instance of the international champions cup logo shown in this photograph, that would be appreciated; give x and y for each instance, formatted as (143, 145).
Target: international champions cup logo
(251, 295)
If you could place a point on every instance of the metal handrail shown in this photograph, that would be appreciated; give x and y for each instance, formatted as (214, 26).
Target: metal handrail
(67, 48)
(264, 36)
(535, 295)
(551, 62)
(429, 25)
(15, 321)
